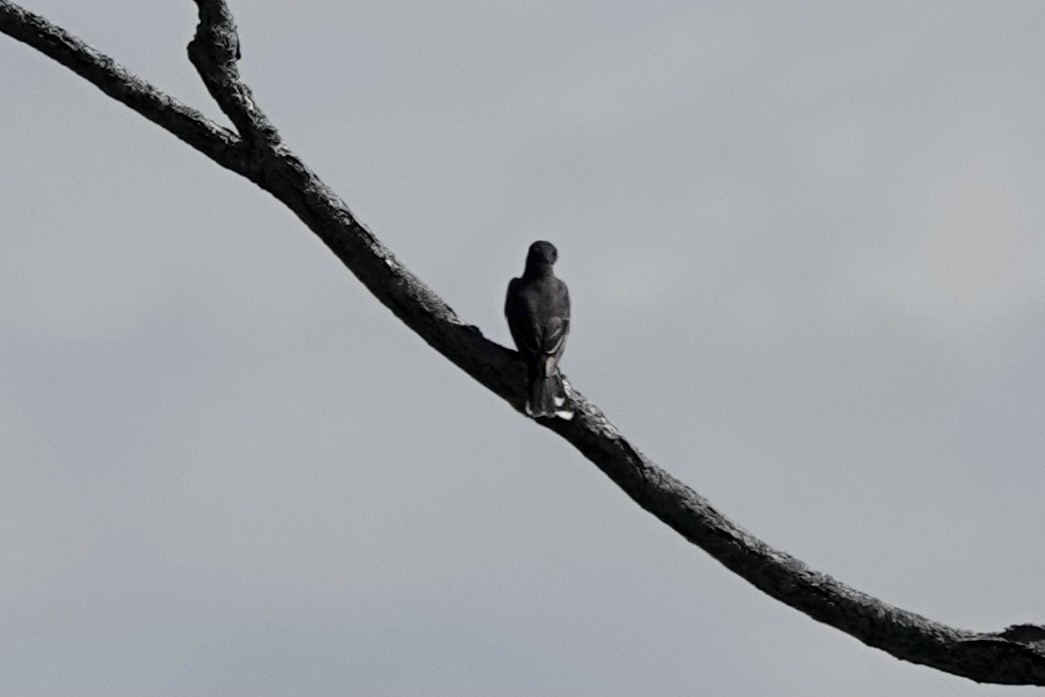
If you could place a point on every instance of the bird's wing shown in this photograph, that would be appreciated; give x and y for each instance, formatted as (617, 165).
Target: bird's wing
(565, 301)
(554, 340)
(557, 325)
(521, 322)
(511, 298)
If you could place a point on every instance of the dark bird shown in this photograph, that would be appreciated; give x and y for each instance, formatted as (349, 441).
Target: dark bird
(538, 312)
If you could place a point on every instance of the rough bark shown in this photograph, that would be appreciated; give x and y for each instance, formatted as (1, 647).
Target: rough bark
(254, 150)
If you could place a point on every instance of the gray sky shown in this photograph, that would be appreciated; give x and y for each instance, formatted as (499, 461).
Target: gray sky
(804, 245)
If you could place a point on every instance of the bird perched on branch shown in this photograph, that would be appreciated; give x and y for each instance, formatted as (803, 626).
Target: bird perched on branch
(538, 312)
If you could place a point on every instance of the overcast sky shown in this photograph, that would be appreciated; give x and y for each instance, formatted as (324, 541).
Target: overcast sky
(804, 243)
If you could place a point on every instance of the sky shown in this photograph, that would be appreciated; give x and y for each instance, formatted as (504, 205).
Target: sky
(804, 247)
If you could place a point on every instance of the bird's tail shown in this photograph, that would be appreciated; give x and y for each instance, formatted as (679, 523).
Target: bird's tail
(548, 397)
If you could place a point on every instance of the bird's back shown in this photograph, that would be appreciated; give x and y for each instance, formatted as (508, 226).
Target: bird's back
(538, 311)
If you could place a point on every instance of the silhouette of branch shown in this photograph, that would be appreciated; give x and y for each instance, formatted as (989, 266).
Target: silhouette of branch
(1015, 655)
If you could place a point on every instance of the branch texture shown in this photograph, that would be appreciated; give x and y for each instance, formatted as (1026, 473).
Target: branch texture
(1012, 656)
(214, 51)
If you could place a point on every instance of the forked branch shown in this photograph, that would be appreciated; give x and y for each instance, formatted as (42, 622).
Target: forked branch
(1012, 656)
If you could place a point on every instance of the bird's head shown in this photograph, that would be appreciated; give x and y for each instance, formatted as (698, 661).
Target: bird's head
(541, 255)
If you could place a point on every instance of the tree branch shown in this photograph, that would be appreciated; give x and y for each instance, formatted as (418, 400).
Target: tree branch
(214, 52)
(103, 72)
(1012, 656)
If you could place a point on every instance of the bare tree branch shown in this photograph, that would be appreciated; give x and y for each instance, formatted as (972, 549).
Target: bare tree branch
(103, 72)
(214, 51)
(1013, 656)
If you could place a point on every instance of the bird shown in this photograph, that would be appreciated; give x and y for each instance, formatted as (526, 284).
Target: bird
(537, 307)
